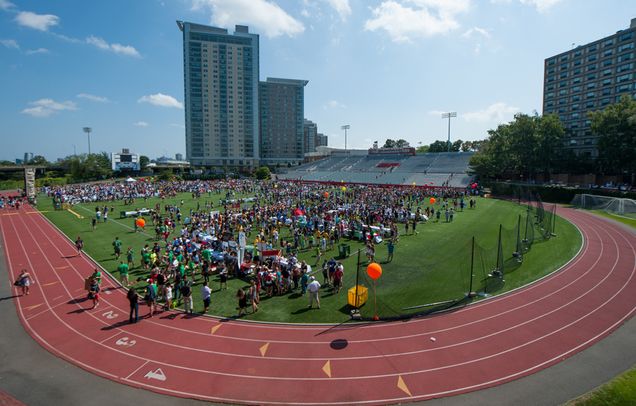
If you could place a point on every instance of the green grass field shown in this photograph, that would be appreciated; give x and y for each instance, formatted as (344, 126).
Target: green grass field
(621, 219)
(620, 391)
(430, 267)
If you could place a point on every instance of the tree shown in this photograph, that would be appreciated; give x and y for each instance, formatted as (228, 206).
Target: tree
(389, 143)
(402, 144)
(143, 162)
(438, 146)
(422, 149)
(522, 148)
(38, 160)
(616, 127)
(262, 173)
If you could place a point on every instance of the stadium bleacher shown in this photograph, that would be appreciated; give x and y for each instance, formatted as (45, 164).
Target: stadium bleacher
(431, 169)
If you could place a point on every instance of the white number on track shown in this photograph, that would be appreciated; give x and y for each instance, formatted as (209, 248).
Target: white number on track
(156, 374)
(126, 342)
(110, 315)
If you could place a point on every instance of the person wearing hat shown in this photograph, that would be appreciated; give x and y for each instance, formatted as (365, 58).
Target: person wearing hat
(313, 288)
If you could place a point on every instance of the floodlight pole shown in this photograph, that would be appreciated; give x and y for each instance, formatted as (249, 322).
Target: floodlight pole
(345, 128)
(449, 115)
(88, 130)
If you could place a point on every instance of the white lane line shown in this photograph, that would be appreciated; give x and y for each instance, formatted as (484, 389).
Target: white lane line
(138, 368)
(404, 373)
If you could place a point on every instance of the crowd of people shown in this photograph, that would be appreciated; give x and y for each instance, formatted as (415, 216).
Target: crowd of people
(282, 219)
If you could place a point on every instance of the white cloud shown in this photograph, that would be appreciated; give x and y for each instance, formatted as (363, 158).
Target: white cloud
(540, 5)
(265, 16)
(116, 48)
(141, 124)
(334, 104)
(342, 7)
(41, 22)
(497, 112)
(10, 43)
(93, 98)
(177, 125)
(46, 107)
(437, 112)
(37, 51)
(304, 13)
(409, 19)
(476, 31)
(162, 100)
(5, 5)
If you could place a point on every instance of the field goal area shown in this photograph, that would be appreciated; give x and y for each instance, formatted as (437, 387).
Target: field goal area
(612, 205)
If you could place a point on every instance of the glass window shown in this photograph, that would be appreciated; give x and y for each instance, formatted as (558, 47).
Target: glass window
(626, 36)
(607, 62)
(607, 72)
(591, 85)
(624, 88)
(626, 57)
(591, 58)
(591, 76)
(608, 42)
(625, 47)
(591, 67)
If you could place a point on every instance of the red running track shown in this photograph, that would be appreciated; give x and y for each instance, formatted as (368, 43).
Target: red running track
(483, 345)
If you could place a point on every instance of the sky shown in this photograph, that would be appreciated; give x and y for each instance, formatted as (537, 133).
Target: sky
(388, 68)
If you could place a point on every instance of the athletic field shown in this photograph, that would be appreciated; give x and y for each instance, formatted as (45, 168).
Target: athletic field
(430, 267)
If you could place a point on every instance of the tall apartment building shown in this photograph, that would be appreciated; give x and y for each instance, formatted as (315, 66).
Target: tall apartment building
(282, 109)
(321, 140)
(310, 132)
(221, 73)
(589, 78)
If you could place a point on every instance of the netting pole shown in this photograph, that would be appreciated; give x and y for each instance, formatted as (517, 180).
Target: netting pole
(518, 245)
(357, 279)
(554, 220)
(472, 264)
(499, 264)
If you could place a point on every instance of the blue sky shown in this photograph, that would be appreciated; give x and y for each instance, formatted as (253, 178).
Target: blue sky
(386, 67)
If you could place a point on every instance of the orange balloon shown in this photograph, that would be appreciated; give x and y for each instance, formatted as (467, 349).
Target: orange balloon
(140, 222)
(326, 195)
(432, 200)
(374, 270)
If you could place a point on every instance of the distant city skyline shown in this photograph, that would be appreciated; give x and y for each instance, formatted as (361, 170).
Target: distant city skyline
(387, 68)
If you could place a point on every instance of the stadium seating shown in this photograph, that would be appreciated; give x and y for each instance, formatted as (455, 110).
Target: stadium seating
(431, 169)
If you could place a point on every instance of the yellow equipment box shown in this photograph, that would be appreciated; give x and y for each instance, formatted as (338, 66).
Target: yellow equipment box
(363, 295)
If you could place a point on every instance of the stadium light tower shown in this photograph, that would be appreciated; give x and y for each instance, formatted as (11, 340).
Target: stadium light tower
(345, 128)
(449, 116)
(88, 130)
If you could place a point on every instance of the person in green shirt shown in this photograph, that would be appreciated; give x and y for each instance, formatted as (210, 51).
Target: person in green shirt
(117, 247)
(97, 276)
(130, 256)
(123, 273)
(146, 259)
